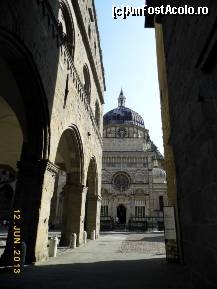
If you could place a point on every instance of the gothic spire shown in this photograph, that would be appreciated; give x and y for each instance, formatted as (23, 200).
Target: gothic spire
(121, 99)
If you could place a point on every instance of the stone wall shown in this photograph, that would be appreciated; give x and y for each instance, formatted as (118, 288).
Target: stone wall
(190, 53)
(173, 248)
(35, 26)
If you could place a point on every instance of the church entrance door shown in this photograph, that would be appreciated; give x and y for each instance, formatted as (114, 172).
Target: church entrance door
(121, 214)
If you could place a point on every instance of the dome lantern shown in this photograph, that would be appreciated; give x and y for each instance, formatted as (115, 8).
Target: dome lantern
(123, 115)
(121, 99)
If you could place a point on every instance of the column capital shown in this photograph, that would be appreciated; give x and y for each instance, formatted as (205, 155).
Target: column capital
(52, 168)
(34, 170)
(37, 164)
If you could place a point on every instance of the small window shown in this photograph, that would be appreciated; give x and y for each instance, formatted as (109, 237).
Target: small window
(97, 114)
(89, 31)
(91, 14)
(95, 48)
(87, 83)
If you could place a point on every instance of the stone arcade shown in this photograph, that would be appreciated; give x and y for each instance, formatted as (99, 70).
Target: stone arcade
(133, 181)
(51, 97)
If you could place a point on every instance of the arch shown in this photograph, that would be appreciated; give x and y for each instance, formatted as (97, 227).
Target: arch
(70, 155)
(87, 82)
(70, 161)
(68, 193)
(67, 26)
(30, 106)
(24, 129)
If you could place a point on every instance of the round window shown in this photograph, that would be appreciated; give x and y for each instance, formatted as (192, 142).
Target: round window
(121, 182)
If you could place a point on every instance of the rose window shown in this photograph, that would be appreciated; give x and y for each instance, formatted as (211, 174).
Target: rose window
(121, 182)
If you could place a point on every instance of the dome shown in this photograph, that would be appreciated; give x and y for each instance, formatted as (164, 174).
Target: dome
(158, 173)
(122, 114)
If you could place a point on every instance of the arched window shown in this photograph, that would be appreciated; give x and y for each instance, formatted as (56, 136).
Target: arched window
(87, 83)
(97, 114)
(67, 27)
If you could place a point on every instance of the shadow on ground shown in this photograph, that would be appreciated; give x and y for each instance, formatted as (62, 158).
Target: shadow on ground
(138, 274)
(157, 239)
(105, 233)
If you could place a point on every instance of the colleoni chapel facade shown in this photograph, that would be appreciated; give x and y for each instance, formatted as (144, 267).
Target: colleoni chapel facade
(133, 180)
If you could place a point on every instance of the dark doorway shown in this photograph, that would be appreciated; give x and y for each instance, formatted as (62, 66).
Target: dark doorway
(121, 214)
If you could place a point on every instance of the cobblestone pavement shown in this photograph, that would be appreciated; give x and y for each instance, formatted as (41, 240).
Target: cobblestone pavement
(115, 261)
(149, 244)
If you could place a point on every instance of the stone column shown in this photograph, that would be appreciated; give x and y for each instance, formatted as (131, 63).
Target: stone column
(33, 194)
(93, 215)
(73, 213)
(54, 202)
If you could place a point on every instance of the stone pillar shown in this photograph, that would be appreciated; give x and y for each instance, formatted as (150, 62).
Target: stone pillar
(93, 215)
(73, 213)
(33, 193)
(54, 203)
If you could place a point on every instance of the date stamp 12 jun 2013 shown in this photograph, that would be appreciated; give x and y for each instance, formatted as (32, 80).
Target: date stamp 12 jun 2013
(17, 242)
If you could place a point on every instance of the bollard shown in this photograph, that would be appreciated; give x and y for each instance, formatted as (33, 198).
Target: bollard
(93, 235)
(73, 241)
(85, 237)
(53, 247)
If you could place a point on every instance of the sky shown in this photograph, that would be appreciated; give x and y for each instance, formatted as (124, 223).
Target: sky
(129, 57)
